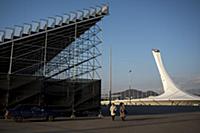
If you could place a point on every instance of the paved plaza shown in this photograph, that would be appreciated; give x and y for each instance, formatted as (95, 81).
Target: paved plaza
(165, 123)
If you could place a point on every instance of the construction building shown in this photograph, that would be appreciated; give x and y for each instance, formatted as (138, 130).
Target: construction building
(53, 62)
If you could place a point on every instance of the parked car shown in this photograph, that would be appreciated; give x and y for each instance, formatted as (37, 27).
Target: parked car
(21, 112)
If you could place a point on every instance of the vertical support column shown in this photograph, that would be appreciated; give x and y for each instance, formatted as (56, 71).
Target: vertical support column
(93, 60)
(101, 71)
(87, 56)
(43, 86)
(74, 73)
(45, 54)
(93, 54)
(9, 73)
(11, 57)
(74, 52)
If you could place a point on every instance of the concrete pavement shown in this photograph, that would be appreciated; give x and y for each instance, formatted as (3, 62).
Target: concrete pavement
(165, 123)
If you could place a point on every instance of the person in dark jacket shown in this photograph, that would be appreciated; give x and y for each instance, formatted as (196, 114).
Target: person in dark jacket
(122, 111)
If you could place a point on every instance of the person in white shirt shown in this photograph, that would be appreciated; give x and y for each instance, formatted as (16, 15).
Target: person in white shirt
(113, 110)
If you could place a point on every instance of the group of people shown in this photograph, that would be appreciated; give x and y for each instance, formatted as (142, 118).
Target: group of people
(122, 111)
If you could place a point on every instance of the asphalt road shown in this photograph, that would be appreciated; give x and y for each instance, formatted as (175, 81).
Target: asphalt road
(167, 123)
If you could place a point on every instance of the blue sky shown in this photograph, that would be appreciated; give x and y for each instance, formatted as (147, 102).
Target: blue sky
(133, 28)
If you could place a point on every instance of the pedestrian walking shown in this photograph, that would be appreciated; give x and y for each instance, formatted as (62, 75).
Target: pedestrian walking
(113, 110)
(122, 111)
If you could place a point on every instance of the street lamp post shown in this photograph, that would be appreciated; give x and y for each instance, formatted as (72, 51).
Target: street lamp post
(130, 71)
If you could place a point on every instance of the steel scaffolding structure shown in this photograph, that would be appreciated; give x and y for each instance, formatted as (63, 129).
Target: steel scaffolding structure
(79, 60)
(59, 47)
(55, 54)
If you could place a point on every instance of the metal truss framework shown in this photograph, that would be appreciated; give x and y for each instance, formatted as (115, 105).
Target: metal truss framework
(61, 47)
(40, 62)
(79, 60)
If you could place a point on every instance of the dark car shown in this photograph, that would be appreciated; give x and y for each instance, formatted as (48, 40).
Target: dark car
(21, 112)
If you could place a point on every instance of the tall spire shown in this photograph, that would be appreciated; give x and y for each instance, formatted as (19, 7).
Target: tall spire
(171, 92)
(168, 84)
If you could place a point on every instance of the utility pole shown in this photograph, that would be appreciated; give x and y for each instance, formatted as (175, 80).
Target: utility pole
(110, 88)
